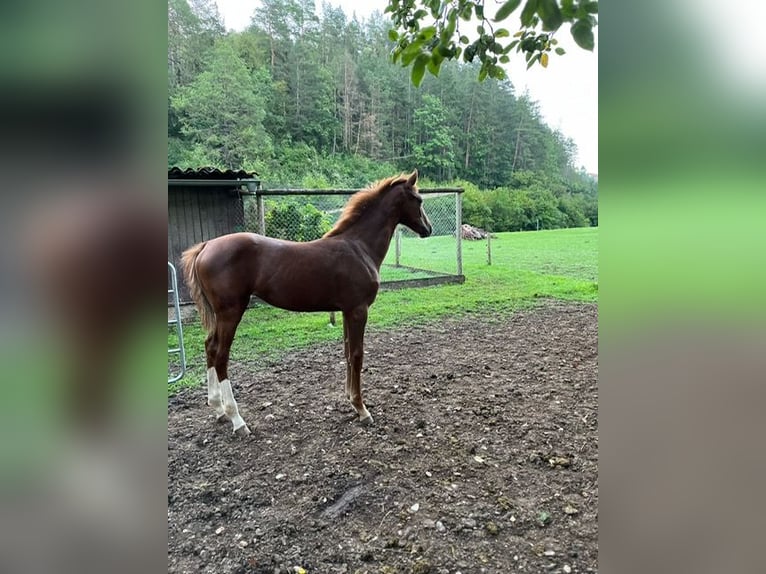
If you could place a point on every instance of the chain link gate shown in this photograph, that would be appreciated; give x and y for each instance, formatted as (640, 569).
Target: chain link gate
(306, 214)
(175, 327)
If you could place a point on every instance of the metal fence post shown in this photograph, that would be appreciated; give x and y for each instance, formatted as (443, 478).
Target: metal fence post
(459, 231)
(489, 248)
(261, 214)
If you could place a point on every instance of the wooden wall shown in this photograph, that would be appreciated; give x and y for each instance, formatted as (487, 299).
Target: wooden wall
(197, 214)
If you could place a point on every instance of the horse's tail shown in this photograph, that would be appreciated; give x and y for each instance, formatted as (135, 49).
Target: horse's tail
(189, 264)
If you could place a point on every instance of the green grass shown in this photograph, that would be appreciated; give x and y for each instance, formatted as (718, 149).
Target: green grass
(392, 273)
(560, 264)
(565, 252)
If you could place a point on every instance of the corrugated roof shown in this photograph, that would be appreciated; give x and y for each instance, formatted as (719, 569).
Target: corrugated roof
(209, 173)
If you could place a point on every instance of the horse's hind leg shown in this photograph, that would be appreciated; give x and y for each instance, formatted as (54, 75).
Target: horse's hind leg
(226, 326)
(214, 398)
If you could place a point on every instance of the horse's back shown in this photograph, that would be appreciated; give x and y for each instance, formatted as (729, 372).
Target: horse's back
(320, 275)
(226, 249)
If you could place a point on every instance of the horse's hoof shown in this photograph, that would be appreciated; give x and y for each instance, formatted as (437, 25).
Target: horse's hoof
(222, 418)
(242, 431)
(367, 421)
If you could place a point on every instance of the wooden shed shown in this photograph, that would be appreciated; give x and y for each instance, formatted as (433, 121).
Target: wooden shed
(202, 204)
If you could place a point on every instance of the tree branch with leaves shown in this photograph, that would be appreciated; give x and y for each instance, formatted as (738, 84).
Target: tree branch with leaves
(427, 32)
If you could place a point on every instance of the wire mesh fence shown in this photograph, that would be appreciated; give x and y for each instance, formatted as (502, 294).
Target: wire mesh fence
(304, 215)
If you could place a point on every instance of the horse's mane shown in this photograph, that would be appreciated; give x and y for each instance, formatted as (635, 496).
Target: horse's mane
(360, 201)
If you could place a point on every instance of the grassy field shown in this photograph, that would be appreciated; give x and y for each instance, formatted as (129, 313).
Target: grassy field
(566, 252)
(527, 266)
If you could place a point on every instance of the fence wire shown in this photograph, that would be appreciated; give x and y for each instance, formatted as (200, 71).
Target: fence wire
(304, 215)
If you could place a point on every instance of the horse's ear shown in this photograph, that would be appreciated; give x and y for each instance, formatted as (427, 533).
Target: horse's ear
(413, 179)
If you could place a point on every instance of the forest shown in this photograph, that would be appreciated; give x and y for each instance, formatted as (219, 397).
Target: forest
(309, 97)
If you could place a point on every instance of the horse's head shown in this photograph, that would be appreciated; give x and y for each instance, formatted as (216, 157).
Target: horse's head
(411, 213)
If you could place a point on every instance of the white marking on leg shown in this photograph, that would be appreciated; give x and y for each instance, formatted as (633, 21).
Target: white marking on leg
(365, 414)
(230, 408)
(362, 410)
(214, 393)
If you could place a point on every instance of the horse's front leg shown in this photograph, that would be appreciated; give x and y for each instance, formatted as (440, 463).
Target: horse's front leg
(356, 320)
(347, 354)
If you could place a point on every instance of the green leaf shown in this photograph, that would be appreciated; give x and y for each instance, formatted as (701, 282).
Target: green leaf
(590, 7)
(479, 9)
(464, 39)
(413, 48)
(502, 33)
(408, 59)
(550, 14)
(533, 60)
(529, 44)
(434, 64)
(560, 51)
(528, 12)
(506, 9)
(393, 35)
(483, 73)
(444, 50)
(451, 22)
(427, 33)
(504, 59)
(567, 9)
(419, 69)
(583, 34)
(411, 52)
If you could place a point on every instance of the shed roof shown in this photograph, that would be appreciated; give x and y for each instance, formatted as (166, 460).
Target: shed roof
(210, 173)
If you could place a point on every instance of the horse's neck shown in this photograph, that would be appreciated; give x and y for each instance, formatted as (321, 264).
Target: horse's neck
(374, 232)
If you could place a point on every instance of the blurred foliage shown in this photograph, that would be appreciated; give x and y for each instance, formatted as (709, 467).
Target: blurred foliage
(682, 134)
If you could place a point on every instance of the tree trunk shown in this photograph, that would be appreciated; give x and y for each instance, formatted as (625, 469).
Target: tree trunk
(346, 104)
(468, 130)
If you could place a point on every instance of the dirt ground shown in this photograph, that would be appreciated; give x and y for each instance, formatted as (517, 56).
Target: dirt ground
(483, 456)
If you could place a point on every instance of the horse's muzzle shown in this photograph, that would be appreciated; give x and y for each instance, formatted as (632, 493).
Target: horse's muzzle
(427, 230)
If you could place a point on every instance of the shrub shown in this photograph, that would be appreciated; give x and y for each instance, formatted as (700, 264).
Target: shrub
(288, 220)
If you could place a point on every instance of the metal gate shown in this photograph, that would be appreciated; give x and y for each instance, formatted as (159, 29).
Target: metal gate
(176, 369)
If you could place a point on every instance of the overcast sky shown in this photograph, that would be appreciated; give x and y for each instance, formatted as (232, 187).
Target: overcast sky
(567, 90)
